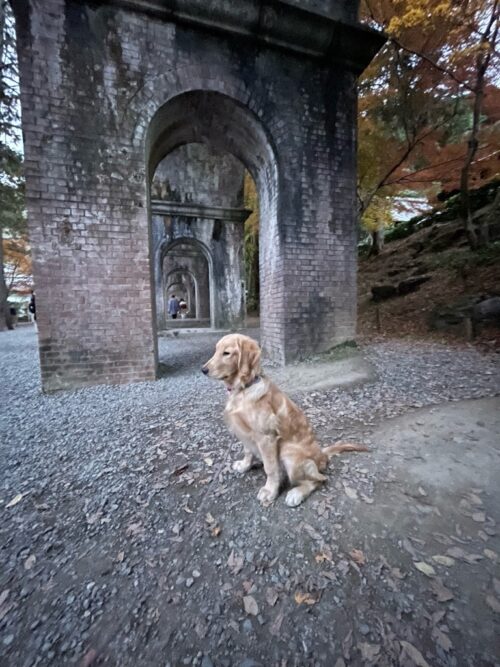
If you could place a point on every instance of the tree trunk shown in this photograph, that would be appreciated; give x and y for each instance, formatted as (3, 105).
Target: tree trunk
(490, 219)
(482, 62)
(4, 309)
(377, 242)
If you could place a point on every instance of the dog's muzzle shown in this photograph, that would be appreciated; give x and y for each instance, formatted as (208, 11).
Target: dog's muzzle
(204, 370)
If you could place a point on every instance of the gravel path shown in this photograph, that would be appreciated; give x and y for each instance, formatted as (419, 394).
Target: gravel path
(126, 539)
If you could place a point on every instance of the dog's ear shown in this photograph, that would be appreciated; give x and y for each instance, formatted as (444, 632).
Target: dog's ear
(248, 361)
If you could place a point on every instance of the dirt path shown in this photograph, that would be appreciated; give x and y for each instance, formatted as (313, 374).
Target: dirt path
(126, 539)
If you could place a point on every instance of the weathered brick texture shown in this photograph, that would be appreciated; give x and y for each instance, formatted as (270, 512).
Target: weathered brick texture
(107, 91)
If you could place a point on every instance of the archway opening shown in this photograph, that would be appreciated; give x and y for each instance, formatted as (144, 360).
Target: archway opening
(186, 278)
(209, 134)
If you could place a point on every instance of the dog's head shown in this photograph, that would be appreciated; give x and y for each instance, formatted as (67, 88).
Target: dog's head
(236, 361)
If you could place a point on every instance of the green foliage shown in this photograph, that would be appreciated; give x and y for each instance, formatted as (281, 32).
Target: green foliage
(12, 211)
(461, 260)
(251, 243)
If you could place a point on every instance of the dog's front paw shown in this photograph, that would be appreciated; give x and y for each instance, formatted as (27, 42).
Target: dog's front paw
(267, 495)
(242, 466)
(294, 497)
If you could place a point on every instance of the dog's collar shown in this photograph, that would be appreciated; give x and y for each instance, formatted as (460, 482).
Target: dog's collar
(256, 379)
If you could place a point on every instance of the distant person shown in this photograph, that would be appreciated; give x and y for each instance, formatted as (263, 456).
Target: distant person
(13, 316)
(173, 306)
(32, 305)
(183, 308)
(32, 309)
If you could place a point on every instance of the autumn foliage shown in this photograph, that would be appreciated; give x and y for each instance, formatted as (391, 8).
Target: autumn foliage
(429, 103)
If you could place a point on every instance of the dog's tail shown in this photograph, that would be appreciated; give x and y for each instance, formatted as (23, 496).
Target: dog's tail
(340, 447)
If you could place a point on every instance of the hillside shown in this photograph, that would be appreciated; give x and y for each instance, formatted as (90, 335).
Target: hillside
(429, 283)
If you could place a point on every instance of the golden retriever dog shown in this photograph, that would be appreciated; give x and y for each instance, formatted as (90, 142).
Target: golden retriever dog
(270, 426)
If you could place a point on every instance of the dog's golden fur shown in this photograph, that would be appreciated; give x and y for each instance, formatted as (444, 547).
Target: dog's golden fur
(270, 426)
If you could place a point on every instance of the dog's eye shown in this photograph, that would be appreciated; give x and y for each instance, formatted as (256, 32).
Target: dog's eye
(225, 353)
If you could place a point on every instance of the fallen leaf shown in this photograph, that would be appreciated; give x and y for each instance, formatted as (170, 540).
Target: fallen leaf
(413, 653)
(442, 593)
(29, 562)
(438, 616)
(322, 556)
(88, 658)
(442, 639)
(180, 470)
(368, 651)
(247, 586)
(304, 598)
(493, 603)
(475, 499)
(120, 557)
(408, 546)
(425, 568)
(94, 518)
(209, 461)
(271, 596)
(201, 629)
(235, 563)
(134, 529)
(351, 493)
(492, 555)
(456, 552)
(347, 645)
(473, 558)
(15, 500)
(444, 560)
(396, 572)
(275, 627)
(358, 556)
(215, 530)
(479, 517)
(250, 605)
(209, 518)
(370, 501)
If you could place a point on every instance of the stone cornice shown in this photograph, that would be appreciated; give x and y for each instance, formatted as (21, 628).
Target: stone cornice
(188, 210)
(271, 22)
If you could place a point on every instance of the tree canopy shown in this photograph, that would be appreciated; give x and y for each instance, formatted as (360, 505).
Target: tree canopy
(429, 116)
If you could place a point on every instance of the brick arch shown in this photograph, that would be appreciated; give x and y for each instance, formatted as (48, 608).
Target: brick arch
(205, 251)
(191, 275)
(225, 123)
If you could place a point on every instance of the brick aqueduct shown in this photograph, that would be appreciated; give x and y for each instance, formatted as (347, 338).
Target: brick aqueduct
(109, 90)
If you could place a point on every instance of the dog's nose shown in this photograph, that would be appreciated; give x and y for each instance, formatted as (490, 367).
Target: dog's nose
(204, 370)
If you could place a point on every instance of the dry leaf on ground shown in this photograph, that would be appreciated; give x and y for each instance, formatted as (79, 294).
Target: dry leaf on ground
(425, 568)
(235, 563)
(358, 556)
(271, 596)
(15, 500)
(444, 560)
(250, 605)
(442, 593)
(304, 598)
(442, 639)
(368, 651)
(413, 653)
(29, 562)
(275, 627)
(492, 555)
(351, 493)
(493, 603)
